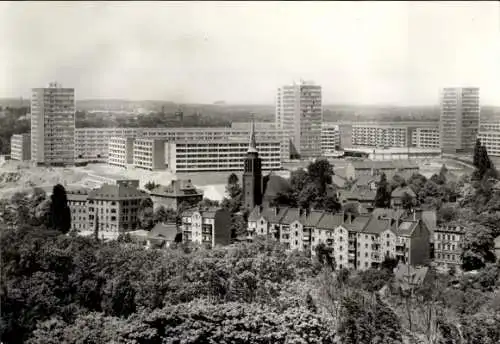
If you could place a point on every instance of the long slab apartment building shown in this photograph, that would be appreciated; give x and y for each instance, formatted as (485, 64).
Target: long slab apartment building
(189, 155)
(380, 134)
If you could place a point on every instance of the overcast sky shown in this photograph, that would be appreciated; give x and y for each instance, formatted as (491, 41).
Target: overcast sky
(397, 53)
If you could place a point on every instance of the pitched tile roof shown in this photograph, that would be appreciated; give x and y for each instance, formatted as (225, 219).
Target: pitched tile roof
(364, 180)
(312, 219)
(400, 191)
(407, 276)
(376, 225)
(292, 215)
(117, 192)
(406, 228)
(359, 223)
(330, 221)
(273, 215)
(208, 212)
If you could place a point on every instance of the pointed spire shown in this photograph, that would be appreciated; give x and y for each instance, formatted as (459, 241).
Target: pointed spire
(252, 147)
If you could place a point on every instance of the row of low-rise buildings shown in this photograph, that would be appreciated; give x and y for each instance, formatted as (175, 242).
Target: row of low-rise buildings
(357, 242)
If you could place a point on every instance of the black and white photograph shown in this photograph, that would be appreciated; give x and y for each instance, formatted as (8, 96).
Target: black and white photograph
(262, 172)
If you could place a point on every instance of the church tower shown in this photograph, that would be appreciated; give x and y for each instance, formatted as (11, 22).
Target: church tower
(252, 175)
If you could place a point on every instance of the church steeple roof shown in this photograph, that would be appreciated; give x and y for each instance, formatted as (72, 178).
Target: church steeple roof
(252, 147)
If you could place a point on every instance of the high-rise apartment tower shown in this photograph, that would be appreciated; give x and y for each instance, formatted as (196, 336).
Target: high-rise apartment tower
(459, 120)
(299, 113)
(53, 125)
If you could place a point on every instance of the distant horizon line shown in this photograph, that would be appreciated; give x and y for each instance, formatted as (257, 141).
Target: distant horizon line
(223, 103)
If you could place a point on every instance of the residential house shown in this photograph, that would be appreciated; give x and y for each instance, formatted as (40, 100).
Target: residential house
(407, 277)
(398, 195)
(448, 245)
(77, 202)
(177, 193)
(115, 208)
(207, 226)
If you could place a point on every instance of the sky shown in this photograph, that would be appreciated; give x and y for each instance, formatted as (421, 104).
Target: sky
(397, 53)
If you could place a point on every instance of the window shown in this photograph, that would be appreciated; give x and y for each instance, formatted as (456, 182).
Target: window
(261, 222)
(366, 254)
(388, 236)
(388, 244)
(366, 245)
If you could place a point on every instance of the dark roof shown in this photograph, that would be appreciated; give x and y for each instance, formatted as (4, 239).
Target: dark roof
(117, 192)
(77, 190)
(330, 221)
(312, 219)
(163, 231)
(376, 225)
(177, 188)
(359, 223)
(400, 191)
(292, 215)
(359, 194)
(388, 213)
(393, 164)
(273, 215)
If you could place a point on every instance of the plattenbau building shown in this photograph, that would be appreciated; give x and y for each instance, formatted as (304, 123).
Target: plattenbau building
(121, 151)
(20, 147)
(299, 114)
(330, 137)
(489, 135)
(357, 169)
(459, 119)
(53, 125)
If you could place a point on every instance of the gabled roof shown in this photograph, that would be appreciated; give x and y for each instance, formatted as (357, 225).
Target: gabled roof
(331, 221)
(388, 213)
(117, 192)
(312, 219)
(273, 215)
(358, 224)
(377, 226)
(292, 215)
(400, 191)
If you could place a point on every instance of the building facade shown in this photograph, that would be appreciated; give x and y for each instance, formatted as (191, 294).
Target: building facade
(93, 143)
(149, 154)
(20, 147)
(121, 151)
(330, 137)
(357, 242)
(209, 227)
(299, 113)
(114, 208)
(228, 155)
(77, 202)
(459, 120)
(448, 245)
(53, 125)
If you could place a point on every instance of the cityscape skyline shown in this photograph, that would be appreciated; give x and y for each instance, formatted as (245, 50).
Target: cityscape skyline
(398, 53)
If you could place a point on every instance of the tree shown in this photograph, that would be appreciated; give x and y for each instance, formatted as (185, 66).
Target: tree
(162, 215)
(60, 212)
(146, 214)
(151, 185)
(477, 153)
(233, 187)
(408, 202)
(383, 195)
(320, 172)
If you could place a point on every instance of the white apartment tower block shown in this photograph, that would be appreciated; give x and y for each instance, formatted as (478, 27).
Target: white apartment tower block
(53, 125)
(299, 113)
(459, 121)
